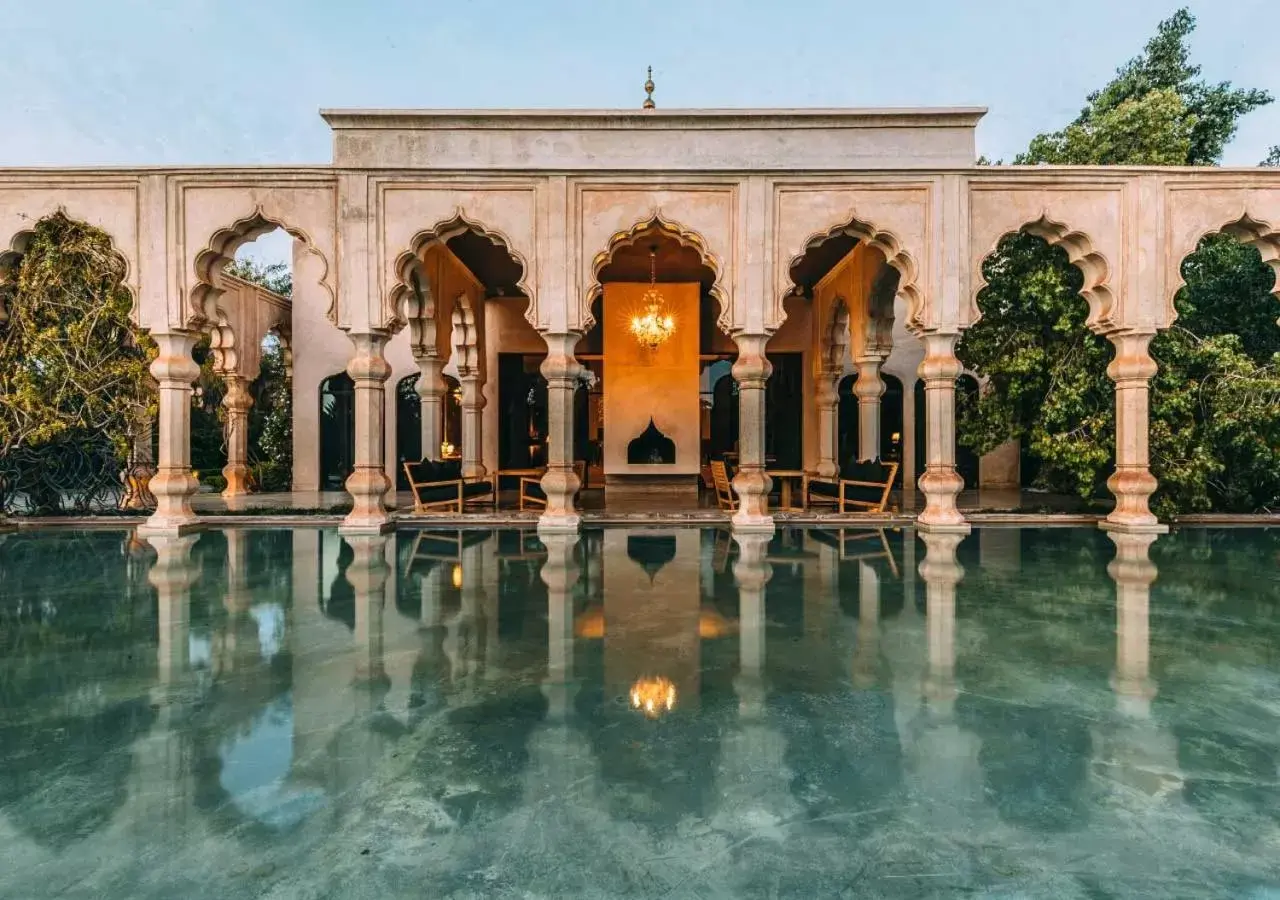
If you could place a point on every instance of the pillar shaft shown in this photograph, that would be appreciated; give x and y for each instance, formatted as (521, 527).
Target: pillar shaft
(827, 402)
(368, 483)
(1132, 484)
(751, 483)
(472, 425)
(940, 482)
(869, 388)
(173, 484)
(431, 391)
(236, 402)
(560, 483)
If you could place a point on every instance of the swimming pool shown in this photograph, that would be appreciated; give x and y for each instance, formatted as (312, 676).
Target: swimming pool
(663, 712)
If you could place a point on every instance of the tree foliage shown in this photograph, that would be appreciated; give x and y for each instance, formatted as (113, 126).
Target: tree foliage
(74, 383)
(1214, 403)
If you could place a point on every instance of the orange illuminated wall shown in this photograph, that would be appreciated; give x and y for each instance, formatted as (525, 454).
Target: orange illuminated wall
(662, 383)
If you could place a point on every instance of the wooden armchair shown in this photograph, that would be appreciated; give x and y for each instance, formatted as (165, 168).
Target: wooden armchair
(864, 486)
(439, 485)
(531, 494)
(724, 486)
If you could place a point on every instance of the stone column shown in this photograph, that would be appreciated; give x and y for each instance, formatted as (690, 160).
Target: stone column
(560, 573)
(751, 484)
(237, 403)
(173, 483)
(908, 439)
(1134, 574)
(1132, 484)
(142, 466)
(869, 388)
(826, 399)
(940, 482)
(367, 576)
(560, 483)
(472, 425)
(941, 573)
(431, 390)
(368, 483)
(751, 572)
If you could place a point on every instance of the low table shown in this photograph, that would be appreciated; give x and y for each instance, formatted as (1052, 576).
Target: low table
(785, 478)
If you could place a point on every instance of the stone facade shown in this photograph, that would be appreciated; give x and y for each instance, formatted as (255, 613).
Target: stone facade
(751, 191)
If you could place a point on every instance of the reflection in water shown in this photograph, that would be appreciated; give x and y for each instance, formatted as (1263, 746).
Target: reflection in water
(640, 713)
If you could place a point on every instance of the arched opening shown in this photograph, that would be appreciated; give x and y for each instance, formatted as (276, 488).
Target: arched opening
(464, 298)
(1214, 423)
(842, 306)
(67, 337)
(337, 431)
(1045, 369)
(655, 352)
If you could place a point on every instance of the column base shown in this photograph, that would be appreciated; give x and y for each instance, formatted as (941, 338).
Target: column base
(944, 527)
(157, 527)
(365, 527)
(1133, 527)
(745, 523)
(551, 524)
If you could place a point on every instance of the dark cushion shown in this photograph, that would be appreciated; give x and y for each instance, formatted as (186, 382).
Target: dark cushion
(437, 493)
(824, 488)
(865, 470)
(477, 489)
(427, 471)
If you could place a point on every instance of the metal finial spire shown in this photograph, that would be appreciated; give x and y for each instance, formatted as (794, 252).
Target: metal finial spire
(648, 90)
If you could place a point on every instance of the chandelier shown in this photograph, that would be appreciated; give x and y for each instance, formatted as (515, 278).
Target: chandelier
(653, 696)
(654, 324)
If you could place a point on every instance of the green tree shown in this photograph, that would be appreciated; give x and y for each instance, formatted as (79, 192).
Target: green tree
(1048, 384)
(74, 383)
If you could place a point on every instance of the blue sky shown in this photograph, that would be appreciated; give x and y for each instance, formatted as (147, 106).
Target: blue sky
(216, 81)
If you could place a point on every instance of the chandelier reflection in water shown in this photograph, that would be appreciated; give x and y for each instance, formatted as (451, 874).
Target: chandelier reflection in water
(654, 324)
(653, 696)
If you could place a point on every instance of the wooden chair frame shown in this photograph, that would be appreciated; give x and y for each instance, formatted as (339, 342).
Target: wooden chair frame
(454, 504)
(842, 502)
(724, 488)
(528, 500)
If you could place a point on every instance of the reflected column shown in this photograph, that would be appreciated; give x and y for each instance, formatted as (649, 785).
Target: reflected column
(867, 650)
(941, 572)
(753, 779)
(560, 573)
(1134, 752)
(367, 576)
(172, 575)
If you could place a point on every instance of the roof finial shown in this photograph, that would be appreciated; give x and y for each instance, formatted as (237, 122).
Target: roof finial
(648, 90)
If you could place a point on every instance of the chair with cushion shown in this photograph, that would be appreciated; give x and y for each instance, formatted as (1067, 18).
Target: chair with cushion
(439, 485)
(861, 486)
(533, 496)
(723, 478)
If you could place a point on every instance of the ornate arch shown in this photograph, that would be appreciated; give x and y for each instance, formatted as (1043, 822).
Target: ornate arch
(686, 237)
(884, 241)
(396, 313)
(1260, 235)
(465, 358)
(202, 311)
(835, 336)
(1080, 253)
(11, 257)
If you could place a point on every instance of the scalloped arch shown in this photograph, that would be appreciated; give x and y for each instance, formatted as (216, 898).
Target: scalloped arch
(395, 312)
(884, 241)
(1080, 253)
(686, 237)
(835, 336)
(11, 256)
(1256, 233)
(223, 243)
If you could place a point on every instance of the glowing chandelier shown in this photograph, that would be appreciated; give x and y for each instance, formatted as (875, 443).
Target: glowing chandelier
(652, 327)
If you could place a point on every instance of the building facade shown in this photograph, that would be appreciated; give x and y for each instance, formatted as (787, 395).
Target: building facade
(811, 242)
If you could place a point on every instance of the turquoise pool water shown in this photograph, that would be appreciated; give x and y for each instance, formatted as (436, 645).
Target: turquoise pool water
(640, 713)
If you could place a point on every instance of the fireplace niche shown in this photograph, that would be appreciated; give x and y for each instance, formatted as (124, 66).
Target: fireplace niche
(651, 448)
